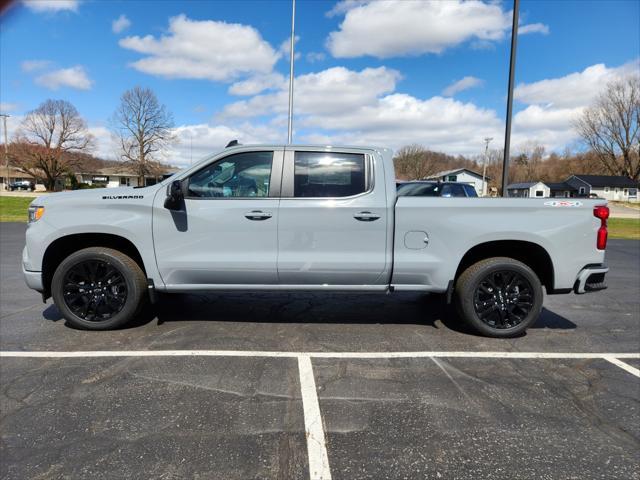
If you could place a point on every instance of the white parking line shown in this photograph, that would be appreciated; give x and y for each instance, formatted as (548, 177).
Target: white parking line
(623, 365)
(258, 353)
(314, 431)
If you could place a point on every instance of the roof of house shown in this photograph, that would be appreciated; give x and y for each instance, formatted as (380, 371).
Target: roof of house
(608, 181)
(516, 186)
(560, 186)
(456, 170)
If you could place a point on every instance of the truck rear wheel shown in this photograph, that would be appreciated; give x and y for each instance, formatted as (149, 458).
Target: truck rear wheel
(98, 288)
(499, 297)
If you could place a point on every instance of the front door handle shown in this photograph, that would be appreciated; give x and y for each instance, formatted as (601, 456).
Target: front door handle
(366, 216)
(257, 215)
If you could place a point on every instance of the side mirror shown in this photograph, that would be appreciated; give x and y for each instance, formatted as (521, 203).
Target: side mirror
(175, 196)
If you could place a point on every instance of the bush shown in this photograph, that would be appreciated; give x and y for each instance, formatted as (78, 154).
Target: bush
(87, 186)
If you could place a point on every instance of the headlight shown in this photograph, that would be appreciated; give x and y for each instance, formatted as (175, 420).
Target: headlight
(35, 213)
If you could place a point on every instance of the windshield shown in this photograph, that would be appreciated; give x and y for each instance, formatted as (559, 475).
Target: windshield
(420, 189)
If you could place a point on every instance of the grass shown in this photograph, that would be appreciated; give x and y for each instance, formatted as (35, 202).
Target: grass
(627, 228)
(14, 209)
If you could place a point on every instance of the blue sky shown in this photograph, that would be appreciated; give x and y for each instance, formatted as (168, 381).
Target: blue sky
(386, 73)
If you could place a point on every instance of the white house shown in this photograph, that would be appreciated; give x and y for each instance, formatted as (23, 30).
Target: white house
(462, 175)
(617, 188)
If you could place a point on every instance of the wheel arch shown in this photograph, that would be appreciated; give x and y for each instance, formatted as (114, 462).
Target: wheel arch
(64, 246)
(531, 254)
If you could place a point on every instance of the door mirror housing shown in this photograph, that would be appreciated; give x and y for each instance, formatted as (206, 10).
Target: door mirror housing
(175, 196)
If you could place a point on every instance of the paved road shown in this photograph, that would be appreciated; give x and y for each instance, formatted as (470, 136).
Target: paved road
(239, 418)
(622, 211)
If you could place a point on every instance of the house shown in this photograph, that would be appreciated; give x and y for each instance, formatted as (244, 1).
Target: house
(462, 175)
(14, 175)
(603, 186)
(618, 188)
(109, 177)
(119, 176)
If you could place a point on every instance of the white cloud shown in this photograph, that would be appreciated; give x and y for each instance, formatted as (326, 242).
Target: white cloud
(328, 91)
(575, 89)
(285, 48)
(34, 65)
(533, 28)
(395, 27)
(51, 5)
(74, 77)
(462, 84)
(338, 105)
(344, 6)
(258, 83)
(201, 140)
(8, 107)
(554, 104)
(120, 24)
(313, 57)
(205, 49)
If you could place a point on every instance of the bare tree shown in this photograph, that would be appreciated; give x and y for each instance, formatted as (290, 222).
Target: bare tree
(46, 139)
(415, 162)
(611, 127)
(143, 128)
(528, 163)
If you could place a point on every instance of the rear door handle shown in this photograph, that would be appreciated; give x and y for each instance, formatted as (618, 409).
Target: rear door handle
(257, 215)
(366, 216)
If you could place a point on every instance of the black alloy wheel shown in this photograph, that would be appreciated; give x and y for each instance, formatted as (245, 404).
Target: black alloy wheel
(94, 290)
(503, 299)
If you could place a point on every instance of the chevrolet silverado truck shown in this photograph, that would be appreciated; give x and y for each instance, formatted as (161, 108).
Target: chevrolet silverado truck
(308, 218)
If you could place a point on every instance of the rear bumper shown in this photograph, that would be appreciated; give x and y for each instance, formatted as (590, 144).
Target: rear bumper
(33, 280)
(591, 279)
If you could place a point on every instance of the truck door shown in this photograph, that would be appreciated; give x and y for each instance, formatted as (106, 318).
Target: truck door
(332, 219)
(227, 232)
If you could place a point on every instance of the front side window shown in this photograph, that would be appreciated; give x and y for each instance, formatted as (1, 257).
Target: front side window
(236, 176)
(328, 174)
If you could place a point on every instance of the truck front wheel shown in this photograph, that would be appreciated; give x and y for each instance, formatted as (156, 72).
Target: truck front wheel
(98, 288)
(499, 297)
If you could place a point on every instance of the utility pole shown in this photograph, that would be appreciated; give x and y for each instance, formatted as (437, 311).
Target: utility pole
(291, 58)
(6, 150)
(484, 165)
(512, 67)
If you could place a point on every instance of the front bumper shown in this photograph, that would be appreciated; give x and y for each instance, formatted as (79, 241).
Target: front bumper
(33, 279)
(591, 279)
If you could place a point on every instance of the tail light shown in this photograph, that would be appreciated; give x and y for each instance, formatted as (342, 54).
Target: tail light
(601, 212)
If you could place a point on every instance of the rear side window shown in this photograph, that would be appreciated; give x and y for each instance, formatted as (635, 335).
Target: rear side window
(322, 174)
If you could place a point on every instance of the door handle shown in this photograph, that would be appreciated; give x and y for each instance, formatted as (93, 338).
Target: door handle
(366, 216)
(258, 215)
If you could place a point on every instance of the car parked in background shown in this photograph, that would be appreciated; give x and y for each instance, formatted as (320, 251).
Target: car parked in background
(22, 185)
(435, 189)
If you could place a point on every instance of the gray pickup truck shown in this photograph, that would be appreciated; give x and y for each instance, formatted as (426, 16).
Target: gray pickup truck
(308, 218)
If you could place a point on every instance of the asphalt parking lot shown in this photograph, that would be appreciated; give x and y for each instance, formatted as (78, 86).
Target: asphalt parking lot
(299, 385)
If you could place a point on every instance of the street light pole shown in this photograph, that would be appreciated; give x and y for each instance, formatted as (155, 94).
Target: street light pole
(512, 67)
(6, 150)
(291, 58)
(484, 165)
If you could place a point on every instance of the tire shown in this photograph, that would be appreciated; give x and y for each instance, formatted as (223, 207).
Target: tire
(499, 297)
(77, 288)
